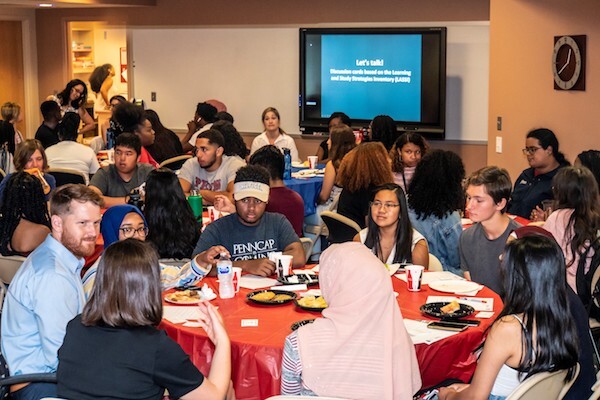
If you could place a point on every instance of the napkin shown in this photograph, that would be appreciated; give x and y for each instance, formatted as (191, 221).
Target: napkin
(254, 282)
(208, 293)
(420, 333)
(178, 315)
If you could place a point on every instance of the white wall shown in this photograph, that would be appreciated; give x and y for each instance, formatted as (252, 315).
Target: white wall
(107, 44)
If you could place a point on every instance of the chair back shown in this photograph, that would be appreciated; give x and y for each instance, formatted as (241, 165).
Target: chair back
(341, 229)
(307, 245)
(434, 263)
(9, 265)
(64, 176)
(175, 163)
(2, 173)
(544, 385)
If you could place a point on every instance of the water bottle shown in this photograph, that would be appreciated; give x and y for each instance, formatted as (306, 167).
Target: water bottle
(287, 157)
(225, 274)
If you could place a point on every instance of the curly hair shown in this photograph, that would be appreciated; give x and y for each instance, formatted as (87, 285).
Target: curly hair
(271, 158)
(576, 188)
(383, 129)
(234, 143)
(365, 166)
(129, 116)
(342, 141)
(252, 173)
(406, 137)
(172, 228)
(64, 96)
(98, 76)
(436, 188)
(23, 199)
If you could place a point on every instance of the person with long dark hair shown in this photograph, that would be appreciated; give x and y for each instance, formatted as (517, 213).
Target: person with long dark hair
(389, 233)
(576, 218)
(24, 218)
(166, 142)
(534, 185)
(101, 81)
(383, 129)
(435, 196)
(341, 141)
(534, 332)
(406, 154)
(591, 160)
(132, 118)
(336, 120)
(72, 99)
(174, 231)
(234, 143)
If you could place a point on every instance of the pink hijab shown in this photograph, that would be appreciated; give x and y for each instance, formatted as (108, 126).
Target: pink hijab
(360, 349)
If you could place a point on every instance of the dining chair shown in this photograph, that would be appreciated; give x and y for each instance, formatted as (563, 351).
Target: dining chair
(307, 245)
(596, 388)
(435, 263)
(64, 176)
(341, 229)
(175, 163)
(9, 265)
(545, 385)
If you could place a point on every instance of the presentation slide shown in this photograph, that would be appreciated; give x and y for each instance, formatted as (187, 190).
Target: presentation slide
(368, 75)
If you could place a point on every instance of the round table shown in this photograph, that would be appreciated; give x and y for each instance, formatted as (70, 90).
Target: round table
(256, 352)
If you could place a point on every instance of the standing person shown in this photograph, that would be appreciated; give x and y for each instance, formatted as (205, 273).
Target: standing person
(46, 133)
(336, 120)
(373, 163)
(383, 129)
(101, 82)
(137, 360)
(389, 233)
(166, 142)
(316, 356)
(70, 154)
(534, 332)
(434, 198)
(534, 185)
(406, 154)
(132, 118)
(72, 99)
(46, 293)
(575, 220)
(10, 136)
(488, 191)
(274, 134)
(203, 119)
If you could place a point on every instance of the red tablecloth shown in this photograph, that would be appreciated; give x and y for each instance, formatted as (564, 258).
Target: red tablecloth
(256, 351)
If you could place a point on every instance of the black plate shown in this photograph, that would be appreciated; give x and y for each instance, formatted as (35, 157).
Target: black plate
(302, 278)
(298, 324)
(315, 309)
(433, 310)
(271, 302)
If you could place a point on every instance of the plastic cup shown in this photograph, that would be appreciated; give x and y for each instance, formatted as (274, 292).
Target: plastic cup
(196, 204)
(212, 213)
(237, 275)
(312, 162)
(414, 274)
(284, 265)
(274, 256)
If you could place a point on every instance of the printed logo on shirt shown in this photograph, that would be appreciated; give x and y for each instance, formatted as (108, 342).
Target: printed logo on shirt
(214, 186)
(253, 250)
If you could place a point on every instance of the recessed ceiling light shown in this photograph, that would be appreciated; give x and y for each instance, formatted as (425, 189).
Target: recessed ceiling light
(45, 5)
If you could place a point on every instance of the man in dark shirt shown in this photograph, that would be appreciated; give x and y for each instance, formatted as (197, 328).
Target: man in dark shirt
(46, 133)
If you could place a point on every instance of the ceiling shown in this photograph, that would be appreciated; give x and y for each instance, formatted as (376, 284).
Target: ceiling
(76, 3)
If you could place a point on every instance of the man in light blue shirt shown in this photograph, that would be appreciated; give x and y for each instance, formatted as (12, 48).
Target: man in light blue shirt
(46, 293)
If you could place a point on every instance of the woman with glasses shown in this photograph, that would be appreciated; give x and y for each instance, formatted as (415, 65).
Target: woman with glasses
(389, 233)
(72, 99)
(534, 185)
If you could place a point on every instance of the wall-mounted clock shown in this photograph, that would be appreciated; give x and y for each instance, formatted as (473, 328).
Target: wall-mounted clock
(568, 62)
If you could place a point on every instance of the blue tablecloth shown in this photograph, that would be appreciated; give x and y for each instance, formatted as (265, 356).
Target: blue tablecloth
(308, 188)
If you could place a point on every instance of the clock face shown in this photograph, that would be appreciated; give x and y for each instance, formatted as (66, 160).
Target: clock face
(567, 63)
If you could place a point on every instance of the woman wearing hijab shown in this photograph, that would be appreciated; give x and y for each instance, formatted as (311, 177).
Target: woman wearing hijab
(366, 355)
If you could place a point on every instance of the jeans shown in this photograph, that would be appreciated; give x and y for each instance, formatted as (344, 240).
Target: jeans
(35, 391)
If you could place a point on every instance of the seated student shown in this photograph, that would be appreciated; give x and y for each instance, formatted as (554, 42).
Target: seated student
(116, 181)
(166, 142)
(46, 133)
(274, 134)
(125, 221)
(132, 118)
(282, 200)
(383, 129)
(406, 155)
(534, 332)
(591, 160)
(203, 119)
(389, 233)
(70, 154)
(251, 233)
(24, 218)
(136, 360)
(336, 120)
(211, 172)
(338, 354)
(234, 143)
(488, 191)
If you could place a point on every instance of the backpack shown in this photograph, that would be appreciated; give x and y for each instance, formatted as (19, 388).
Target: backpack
(588, 284)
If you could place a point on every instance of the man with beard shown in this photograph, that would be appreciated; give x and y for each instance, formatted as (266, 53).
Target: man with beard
(251, 234)
(46, 293)
(210, 171)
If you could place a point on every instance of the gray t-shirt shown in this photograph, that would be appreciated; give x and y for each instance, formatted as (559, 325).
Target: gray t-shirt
(215, 181)
(111, 184)
(480, 255)
(273, 233)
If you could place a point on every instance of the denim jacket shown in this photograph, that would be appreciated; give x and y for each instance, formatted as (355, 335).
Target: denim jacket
(442, 235)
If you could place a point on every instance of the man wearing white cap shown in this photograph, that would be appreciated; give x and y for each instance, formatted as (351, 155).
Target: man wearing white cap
(251, 233)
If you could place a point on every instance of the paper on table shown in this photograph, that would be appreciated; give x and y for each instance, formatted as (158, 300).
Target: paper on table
(290, 288)
(311, 292)
(253, 282)
(478, 303)
(178, 315)
(420, 333)
(433, 276)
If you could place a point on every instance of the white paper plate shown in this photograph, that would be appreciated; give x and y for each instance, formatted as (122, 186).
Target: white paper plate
(171, 299)
(298, 164)
(454, 286)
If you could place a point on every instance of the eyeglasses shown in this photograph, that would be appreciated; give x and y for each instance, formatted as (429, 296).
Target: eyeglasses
(387, 206)
(130, 232)
(251, 200)
(530, 150)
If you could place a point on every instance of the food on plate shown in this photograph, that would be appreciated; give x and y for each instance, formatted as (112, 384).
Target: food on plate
(281, 297)
(184, 296)
(264, 296)
(450, 307)
(313, 302)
